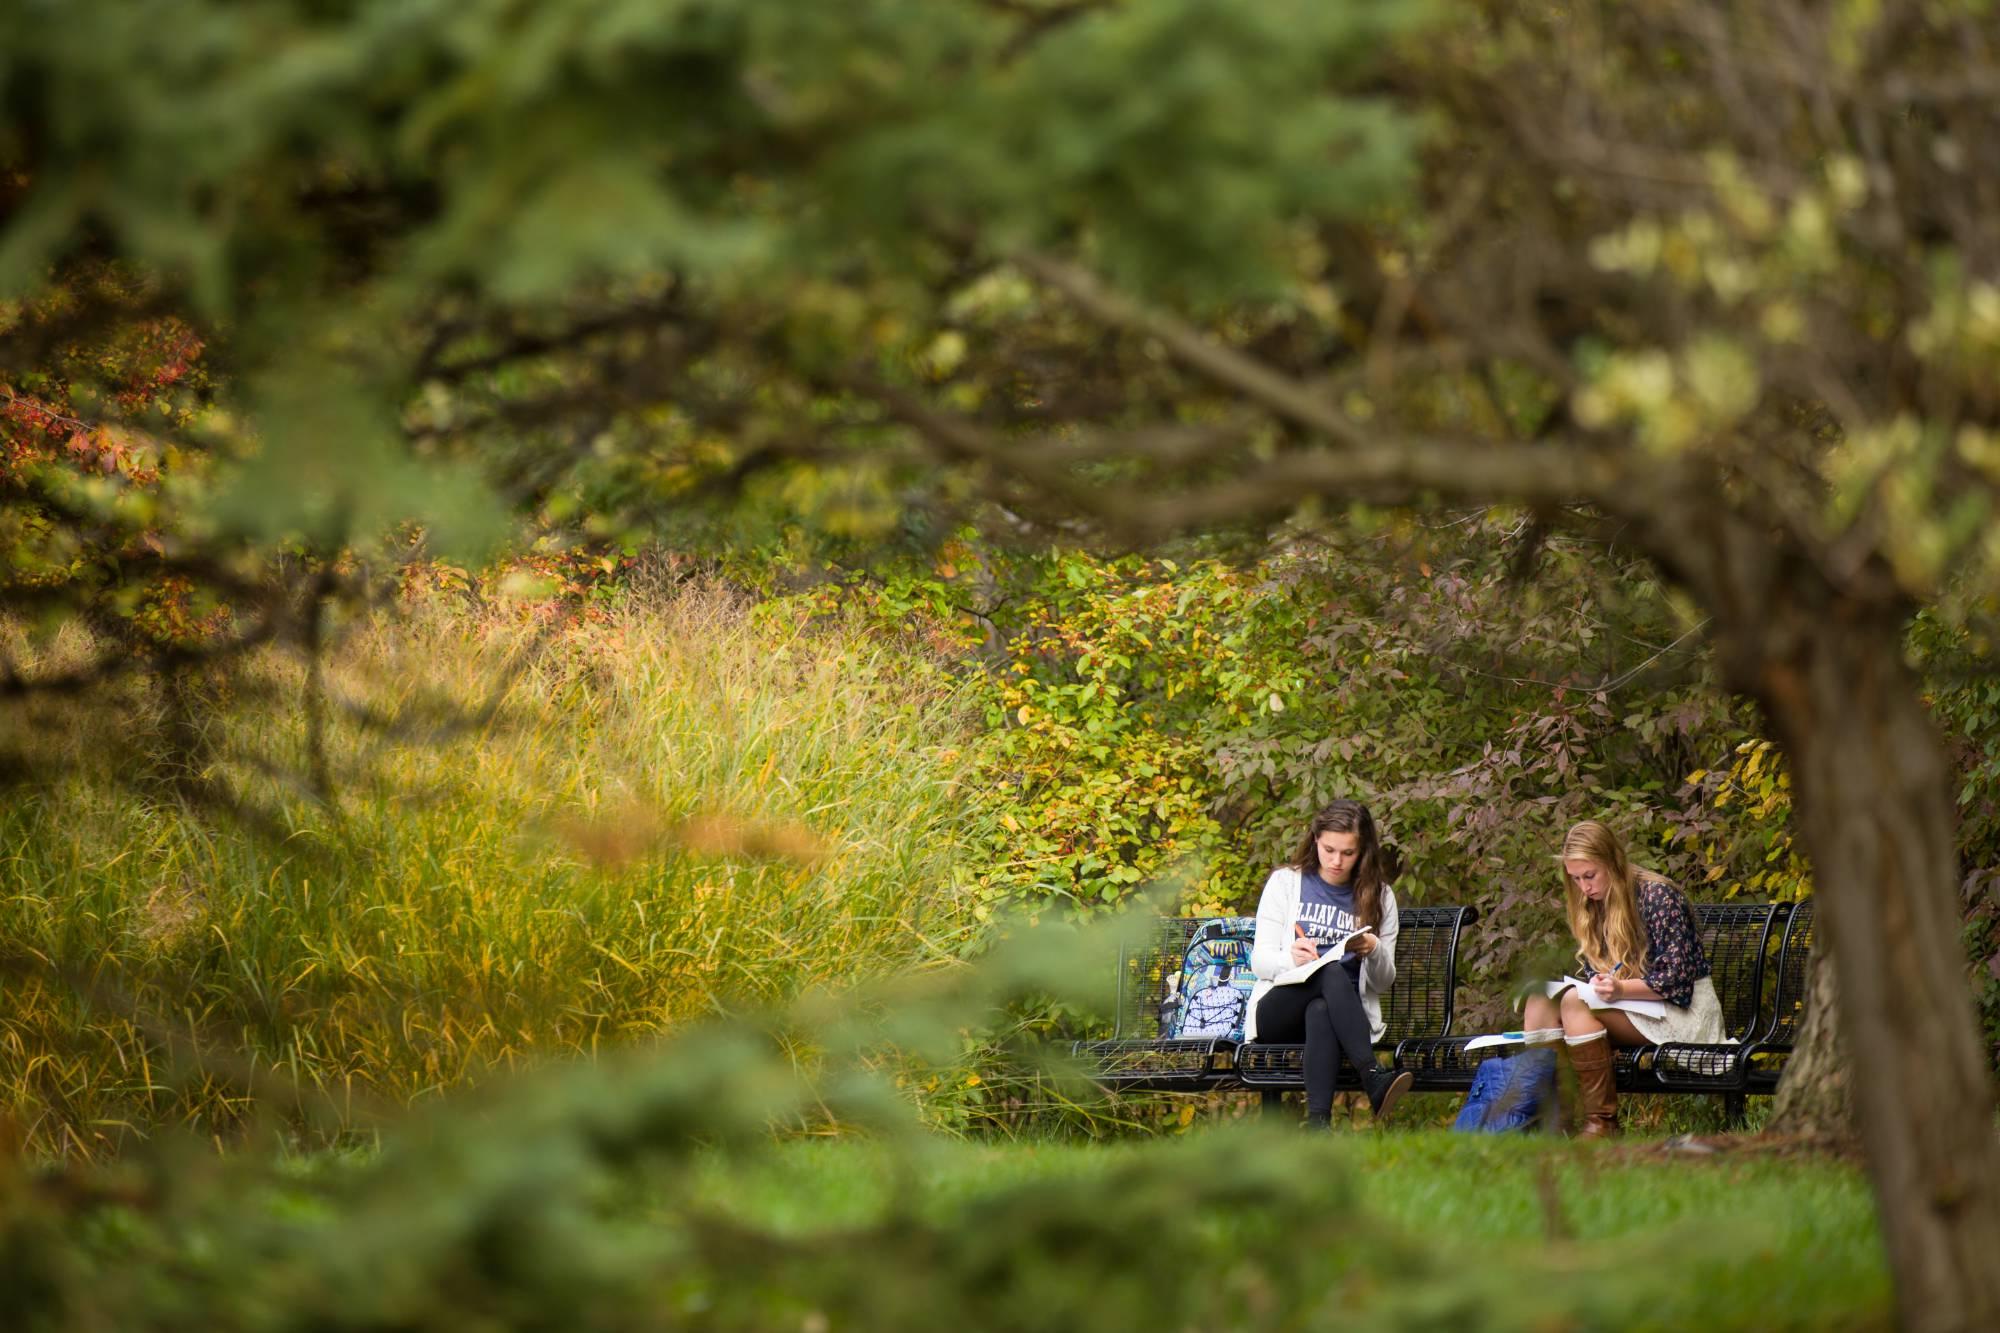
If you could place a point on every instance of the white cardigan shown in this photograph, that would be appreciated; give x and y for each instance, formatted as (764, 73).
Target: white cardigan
(1271, 954)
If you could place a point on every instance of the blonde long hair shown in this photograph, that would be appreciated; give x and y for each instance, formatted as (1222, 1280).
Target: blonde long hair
(1609, 931)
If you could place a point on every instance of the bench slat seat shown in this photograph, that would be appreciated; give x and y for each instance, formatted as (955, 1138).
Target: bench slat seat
(1442, 1064)
(1141, 1064)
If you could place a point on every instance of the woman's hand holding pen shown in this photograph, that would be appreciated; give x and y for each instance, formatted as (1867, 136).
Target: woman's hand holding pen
(1606, 983)
(1303, 949)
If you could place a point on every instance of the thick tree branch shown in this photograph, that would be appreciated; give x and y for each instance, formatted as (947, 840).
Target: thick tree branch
(1392, 471)
(1225, 366)
(518, 346)
(1382, 468)
(1386, 471)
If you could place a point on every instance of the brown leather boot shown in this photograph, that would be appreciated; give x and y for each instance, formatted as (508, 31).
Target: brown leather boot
(1597, 1085)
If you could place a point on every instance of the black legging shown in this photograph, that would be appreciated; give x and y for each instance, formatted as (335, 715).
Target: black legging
(1326, 1010)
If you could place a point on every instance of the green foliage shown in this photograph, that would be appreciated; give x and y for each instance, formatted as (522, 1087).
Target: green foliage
(1123, 677)
(373, 200)
(1138, 710)
(1964, 696)
(673, 814)
(689, 805)
(627, 258)
(1132, 736)
(645, 1191)
(1743, 832)
(558, 153)
(83, 477)
(1740, 823)
(1178, 720)
(1139, 126)
(329, 472)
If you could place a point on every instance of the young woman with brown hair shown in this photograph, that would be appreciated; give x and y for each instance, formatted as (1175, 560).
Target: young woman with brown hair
(1637, 940)
(1331, 892)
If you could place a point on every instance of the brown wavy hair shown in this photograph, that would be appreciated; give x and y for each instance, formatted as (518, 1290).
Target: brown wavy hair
(1349, 817)
(1610, 931)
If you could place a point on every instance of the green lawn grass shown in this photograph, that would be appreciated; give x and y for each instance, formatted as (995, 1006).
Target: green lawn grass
(1455, 1230)
(643, 1196)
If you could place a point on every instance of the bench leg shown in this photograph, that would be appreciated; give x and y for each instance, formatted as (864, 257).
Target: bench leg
(1268, 1101)
(1735, 1106)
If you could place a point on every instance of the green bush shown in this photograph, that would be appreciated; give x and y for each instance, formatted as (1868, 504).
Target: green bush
(671, 813)
(643, 1190)
(1155, 720)
(1177, 721)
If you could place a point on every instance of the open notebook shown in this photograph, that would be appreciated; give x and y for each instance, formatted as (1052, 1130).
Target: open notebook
(1300, 971)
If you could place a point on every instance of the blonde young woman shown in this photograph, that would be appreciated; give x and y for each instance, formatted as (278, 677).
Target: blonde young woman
(1637, 939)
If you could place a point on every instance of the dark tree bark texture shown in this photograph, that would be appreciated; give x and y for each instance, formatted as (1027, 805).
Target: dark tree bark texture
(1816, 1096)
(1874, 809)
(1872, 798)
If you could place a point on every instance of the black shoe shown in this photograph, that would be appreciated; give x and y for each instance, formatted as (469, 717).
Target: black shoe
(1317, 1120)
(1385, 1088)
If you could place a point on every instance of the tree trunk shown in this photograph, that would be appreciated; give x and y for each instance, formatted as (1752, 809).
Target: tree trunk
(1815, 1098)
(1873, 803)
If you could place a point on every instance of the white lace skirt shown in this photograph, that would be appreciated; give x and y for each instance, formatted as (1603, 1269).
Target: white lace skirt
(1701, 1020)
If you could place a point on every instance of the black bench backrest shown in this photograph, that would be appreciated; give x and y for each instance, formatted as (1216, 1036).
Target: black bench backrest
(1145, 972)
(1788, 1000)
(1418, 1005)
(1737, 937)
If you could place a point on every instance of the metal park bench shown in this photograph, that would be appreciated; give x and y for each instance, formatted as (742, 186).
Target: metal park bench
(1137, 1056)
(1765, 1059)
(1418, 1008)
(1757, 952)
(1751, 951)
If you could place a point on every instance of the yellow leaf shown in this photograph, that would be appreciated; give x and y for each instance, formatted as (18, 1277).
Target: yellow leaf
(1187, 1113)
(972, 1080)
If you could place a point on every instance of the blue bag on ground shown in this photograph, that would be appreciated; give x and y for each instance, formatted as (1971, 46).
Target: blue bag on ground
(1508, 1092)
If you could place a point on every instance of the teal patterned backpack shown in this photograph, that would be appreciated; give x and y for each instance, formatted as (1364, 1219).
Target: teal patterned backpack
(1211, 994)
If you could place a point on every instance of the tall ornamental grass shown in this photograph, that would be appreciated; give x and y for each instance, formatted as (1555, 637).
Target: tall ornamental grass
(511, 843)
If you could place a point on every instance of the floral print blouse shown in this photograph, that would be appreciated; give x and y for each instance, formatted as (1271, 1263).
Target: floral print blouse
(1674, 956)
